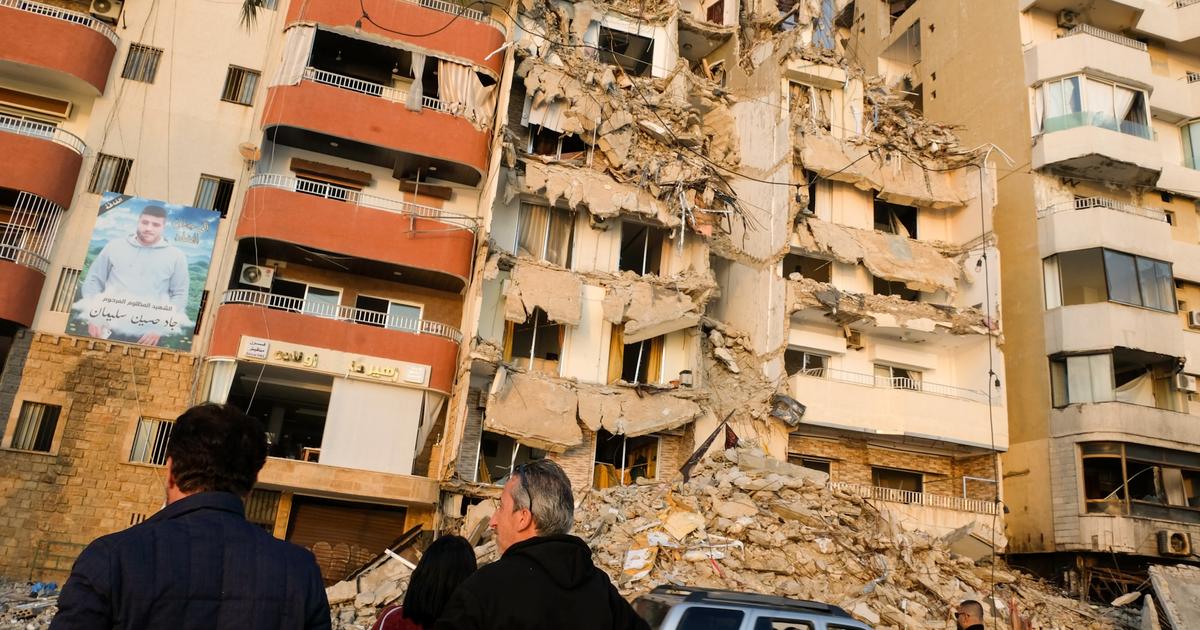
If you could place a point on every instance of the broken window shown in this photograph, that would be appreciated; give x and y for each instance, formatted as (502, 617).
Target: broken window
(811, 463)
(499, 454)
(1077, 101)
(1097, 275)
(1103, 491)
(811, 104)
(534, 344)
(1124, 375)
(1146, 480)
(898, 289)
(642, 248)
(804, 362)
(291, 404)
(817, 269)
(622, 460)
(897, 377)
(905, 480)
(560, 146)
(633, 53)
(715, 13)
(896, 8)
(545, 233)
(639, 362)
(892, 218)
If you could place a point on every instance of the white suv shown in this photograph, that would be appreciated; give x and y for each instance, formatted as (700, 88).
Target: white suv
(690, 608)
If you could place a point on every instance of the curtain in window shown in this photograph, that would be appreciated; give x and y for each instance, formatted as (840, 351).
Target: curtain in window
(654, 369)
(822, 103)
(531, 234)
(1089, 378)
(1059, 104)
(456, 85)
(417, 90)
(1100, 105)
(485, 103)
(545, 112)
(1122, 277)
(1191, 145)
(1139, 391)
(558, 241)
(297, 48)
(222, 380)
(616, 353)
(206, 197)
(1128, 119)
(1156, 283)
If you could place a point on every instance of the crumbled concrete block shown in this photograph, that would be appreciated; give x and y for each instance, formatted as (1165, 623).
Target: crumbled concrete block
(555, 291)
(534, 410)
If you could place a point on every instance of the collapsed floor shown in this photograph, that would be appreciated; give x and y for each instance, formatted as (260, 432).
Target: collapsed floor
(748, 523)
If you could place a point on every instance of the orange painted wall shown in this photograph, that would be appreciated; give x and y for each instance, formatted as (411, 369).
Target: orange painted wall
(39, 166)
(56, 45)
(20, 288)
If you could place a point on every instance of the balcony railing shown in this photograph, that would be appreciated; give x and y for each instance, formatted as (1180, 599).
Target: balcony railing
(27, 238)
(1085, 203)
(454, 9)
(1088, 29)
(899, 382)
(26, 127)
(339, 312)
(348, 195)
(1193, 77)
(385, 92)
(1179, 4)
(962, 504)
(64, 15)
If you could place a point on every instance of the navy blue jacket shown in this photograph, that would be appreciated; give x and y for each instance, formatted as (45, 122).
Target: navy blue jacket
(197, 563)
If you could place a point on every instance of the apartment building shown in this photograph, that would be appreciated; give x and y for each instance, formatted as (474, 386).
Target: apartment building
(1096, 105)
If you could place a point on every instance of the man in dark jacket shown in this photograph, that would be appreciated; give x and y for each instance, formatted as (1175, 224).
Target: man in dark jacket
(969, 615)
(544, 579)
(198, 563)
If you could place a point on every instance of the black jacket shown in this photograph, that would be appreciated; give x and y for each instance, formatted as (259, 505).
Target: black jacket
(197, 563)
(544, 583)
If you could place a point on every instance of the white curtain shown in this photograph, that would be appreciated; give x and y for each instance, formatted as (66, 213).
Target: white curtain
(371, 426)
(433, 406)
(222, 379)
(1139, 391)
(417, 89)
(1089, 378)
(485, 104)
(547, 113)
(456, 85)
(297, 48)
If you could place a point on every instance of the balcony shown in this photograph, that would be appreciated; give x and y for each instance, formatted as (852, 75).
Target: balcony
(54, 46)
(1099, 222)
(336, 482)
(333, 108)
(337, 219)
(1091, 149)
(342, 328)
(474, 35)
(1126, 422)
(27, 233)
(1176, 98)
(1089, 50)
(893, 495)
(1179, 179)
(39, 158)
(1103, 325)
(896, 406)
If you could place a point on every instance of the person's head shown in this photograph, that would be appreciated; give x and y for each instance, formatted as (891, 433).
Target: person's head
(446, 563)
(969, 613)
(536, 501)
(150, 224)
(214, 448)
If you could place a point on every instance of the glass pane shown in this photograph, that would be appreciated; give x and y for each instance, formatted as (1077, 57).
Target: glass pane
(701, 618)
(1082, 277)
(1122, 278)
(321, 302)
(1064, 105)
(1100, 105)
(1131, 111)
(1191, 145)
(404, 317)
(1158, 289)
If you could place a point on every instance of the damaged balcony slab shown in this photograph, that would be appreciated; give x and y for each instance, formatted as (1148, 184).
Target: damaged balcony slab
(633, 413)
(591, 190)
(919, 265)
(534, 410)
(898, 179)
(555, 291)
(886, 311)
(648, 311)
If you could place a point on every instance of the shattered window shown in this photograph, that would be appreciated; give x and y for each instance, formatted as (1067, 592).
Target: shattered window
(806, 363)
(499, 454)
(1102, 488)
(904, 480)
(811, 104)
(545, 233)
(622, 460)
(642, 248)
(534, 344)
(560, 146)
(633, 53)
(897, 377)
(892, 218)
(811, 463)
(1084, 378)
(898, 289)
(817, 269)
(639, 362)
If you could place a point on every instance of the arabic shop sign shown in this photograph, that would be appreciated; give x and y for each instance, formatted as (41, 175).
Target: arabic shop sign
(334, 362)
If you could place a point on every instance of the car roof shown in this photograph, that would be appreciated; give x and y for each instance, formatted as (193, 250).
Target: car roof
(692, 594)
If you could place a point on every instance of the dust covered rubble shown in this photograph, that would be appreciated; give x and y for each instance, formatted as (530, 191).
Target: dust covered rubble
(885, 311)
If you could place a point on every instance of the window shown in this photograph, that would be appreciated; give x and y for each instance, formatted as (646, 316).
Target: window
(804, 362)
(1121, 478)
(882, 286)
(150, 441)
(633, 53)
(811, 463)
(499, 454)
(386, 313)
(621, 460)
(214, 193)
(642, 248)
(817, 269)
(705, 618)
(1095, 275)
(64, 291)
(322, 301)
(35, 427)
(1081, 379)
(110, 174)
(534, 344)
(560, 146)
(1169, 216)
(897, 479)
(1124, 375)
(1078, 101)
(893, 218)
(812, 105)
(200, 312)
(638, 362)
(781, 623)
(141, 64)
(897, 377)
(1191, 145)
(239, 85)
(545, 233)
(715, 13)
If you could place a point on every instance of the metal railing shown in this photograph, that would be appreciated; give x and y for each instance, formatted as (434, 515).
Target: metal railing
(27, 237)
(340, 312)
(385, 92)
(896, 382)
(64, 15)
(961, 504)
(1179, 4)
(36, 129)
(348, 195)
(1193, 77)
(453, 9)
(1085, 203)
(1088, 29)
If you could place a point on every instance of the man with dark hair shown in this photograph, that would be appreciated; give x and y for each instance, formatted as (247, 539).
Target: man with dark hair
(544, 579)
(141, 266)
(969, 615)
(198, 563)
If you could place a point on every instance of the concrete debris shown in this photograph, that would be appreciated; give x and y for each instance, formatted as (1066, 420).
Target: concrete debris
(555, 291)
(918, 264)
(885, 311)
(1149, 615)
(476, 521)
(975, 541)
(533, 409)
(727, 359)
(591, 190)
(1177, 591)
(27, 605)
(648, 311)
(627, 412)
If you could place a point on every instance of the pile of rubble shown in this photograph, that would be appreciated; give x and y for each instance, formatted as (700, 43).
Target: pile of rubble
(25, 606)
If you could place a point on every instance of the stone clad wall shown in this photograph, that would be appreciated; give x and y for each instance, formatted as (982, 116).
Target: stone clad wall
(52, 504)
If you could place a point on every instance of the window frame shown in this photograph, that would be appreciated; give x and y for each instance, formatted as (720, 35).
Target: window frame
(805, 356)
(510, 330)
(123, 169)
(917, 384)
(239, 86)
(154, 447)
(390, 302)
(1051, 265)
(1085, 117)
(218, 183)
(1190, 132)
(142, 67)
(65, 289)
(524, 210)
(37, 435)
(650, 233)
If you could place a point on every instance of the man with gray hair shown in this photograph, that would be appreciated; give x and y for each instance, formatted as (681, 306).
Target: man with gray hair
(544, 579)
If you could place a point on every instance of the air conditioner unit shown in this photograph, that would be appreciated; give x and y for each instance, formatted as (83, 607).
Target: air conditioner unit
(256, 276)
(1174, 543)
(1068, 19)
(1193, 319)
(1185, 382)
(107, 10)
